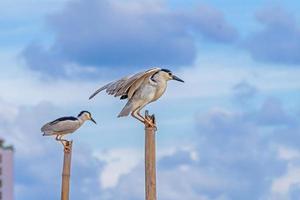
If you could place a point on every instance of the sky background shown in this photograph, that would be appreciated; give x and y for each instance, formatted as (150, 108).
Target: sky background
(230, 132)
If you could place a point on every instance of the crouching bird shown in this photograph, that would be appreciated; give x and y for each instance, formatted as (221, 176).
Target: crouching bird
(140, 89)
(66, 125)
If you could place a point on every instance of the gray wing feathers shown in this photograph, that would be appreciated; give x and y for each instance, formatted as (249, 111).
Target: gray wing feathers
(61, 127)
(138, 82)
(100, 89)
(46, 129)
(135, 86)
(111, 88)
(124, 85)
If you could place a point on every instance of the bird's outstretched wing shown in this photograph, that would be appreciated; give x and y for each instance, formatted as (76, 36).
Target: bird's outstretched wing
(126, 86)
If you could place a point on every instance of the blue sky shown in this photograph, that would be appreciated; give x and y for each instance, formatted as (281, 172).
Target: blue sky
(230, 132)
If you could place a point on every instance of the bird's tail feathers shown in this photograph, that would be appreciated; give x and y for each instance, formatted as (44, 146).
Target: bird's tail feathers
(47, 133)
(46, 129)
(126, 110)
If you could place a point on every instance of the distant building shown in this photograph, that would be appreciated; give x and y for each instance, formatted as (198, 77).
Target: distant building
(6, 172)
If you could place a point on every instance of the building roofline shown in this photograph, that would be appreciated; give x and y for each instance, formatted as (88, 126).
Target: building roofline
(5, 147)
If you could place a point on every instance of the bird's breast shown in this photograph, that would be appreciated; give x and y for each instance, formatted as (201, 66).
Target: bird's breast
(160, 89)
(148, 92)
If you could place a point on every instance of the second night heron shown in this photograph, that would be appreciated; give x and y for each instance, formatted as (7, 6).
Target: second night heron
(140, 89)
(65, 125)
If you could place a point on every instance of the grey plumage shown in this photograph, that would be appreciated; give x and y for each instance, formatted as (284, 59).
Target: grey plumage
(66, 125)
(140, 89)
(60, 127)
(126, 85)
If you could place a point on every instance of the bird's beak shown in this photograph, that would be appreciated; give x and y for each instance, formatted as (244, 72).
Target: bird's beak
(177, 79)
(93, 120)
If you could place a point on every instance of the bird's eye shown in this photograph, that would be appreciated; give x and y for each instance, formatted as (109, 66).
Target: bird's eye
(170, 73)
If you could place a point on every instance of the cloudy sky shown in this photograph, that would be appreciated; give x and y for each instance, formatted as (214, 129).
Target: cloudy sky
(230, 132)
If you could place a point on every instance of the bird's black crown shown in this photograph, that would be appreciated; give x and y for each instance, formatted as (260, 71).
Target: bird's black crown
(165, 70)
(84, 111)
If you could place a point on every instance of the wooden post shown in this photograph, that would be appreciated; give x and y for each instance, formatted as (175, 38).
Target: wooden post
(65, 186)
(150, 160)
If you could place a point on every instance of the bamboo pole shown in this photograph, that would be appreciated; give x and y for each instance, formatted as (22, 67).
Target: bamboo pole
(150, 160)
(65, 186)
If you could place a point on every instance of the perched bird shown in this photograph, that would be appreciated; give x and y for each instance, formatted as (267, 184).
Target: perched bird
(66, 125)
(140, 89)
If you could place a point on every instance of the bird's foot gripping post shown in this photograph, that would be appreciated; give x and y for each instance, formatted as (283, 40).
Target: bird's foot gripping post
(150, 121)
(66, 143)
(150, 158)
(67, 146)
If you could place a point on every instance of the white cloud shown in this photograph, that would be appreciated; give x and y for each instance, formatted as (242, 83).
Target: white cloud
(118, 162)
(287, 153)
(8, 111)
(281, 187)
(122, 161)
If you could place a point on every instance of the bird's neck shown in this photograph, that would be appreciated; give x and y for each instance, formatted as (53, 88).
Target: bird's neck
(81, 120)
(158, 80)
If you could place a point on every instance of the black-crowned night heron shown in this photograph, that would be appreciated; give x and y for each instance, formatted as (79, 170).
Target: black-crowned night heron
(66, 125)
(140, 89)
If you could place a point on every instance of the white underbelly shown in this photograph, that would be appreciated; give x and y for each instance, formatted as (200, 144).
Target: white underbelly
(159, 92)
(148, 93)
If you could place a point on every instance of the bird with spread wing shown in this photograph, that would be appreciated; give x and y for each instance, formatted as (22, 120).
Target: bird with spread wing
(140, 89)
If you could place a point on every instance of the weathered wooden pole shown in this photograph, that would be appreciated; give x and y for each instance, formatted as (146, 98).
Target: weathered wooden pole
(150, 159)
(65, 186)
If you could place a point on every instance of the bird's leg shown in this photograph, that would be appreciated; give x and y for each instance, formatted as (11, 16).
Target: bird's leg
(141, 120)
(149, 122)
(63, 142)
(58, 138)
(138, 116)
(145, 120)
(67, 148)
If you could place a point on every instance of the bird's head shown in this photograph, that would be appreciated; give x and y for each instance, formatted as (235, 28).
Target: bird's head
(86, 115)
(168, 75)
